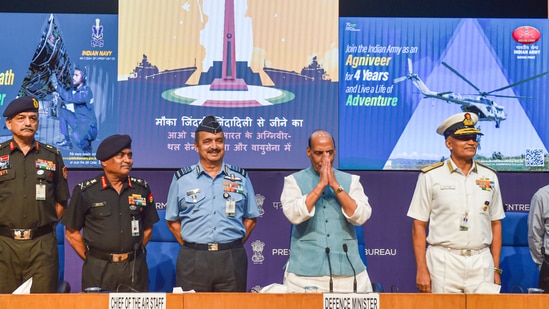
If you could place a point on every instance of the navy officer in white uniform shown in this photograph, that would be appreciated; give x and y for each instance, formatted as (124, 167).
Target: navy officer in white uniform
(459, 200)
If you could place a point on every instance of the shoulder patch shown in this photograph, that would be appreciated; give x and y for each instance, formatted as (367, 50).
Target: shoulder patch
(432, 167)
(139, 181)
(237, 169)
(86, 184)
(4, 144)
(49, 147)
(486, 166)
(183, 171)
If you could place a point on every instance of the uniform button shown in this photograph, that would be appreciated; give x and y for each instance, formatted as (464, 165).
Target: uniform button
(328, 235)
(326, 221)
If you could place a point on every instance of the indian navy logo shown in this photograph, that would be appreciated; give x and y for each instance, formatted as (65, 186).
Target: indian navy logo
(97, 34)
(260, 199)
(257, 247)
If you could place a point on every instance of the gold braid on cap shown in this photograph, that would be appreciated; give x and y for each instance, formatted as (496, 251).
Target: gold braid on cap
(467, 131)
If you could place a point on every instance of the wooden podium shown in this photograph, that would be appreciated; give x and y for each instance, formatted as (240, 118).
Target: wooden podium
(281, 301)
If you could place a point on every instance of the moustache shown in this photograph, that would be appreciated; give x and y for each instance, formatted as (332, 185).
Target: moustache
(216, 150)
(27, 128)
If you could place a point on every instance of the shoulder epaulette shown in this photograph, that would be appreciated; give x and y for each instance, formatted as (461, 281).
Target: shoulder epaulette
(432, 167)
(183, 171)
(4, 144)
(49, 147)
(237, 169)
(86, 184)
(486, 166)
(139, 181)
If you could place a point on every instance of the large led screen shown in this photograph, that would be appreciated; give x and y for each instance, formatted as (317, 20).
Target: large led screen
(38, 46)
(401, 77)
(267, 69)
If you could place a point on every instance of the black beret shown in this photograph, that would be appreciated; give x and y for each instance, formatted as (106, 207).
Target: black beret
(21, 104)
(209, 124)
(112, 145)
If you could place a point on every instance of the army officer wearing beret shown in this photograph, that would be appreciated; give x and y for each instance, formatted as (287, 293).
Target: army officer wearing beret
(116, 213)
(33, 196)
(459, 200)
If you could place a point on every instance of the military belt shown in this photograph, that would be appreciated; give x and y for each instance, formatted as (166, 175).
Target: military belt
(114, 257)
(214, 246)
(26, 234)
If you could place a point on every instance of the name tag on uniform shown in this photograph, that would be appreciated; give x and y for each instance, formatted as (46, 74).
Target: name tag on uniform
(40, 192)
(447, 187)
(230, 207)
(135, 227)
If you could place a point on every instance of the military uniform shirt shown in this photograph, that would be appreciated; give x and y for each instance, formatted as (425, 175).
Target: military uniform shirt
(199, 203)
(106, 217)
(19, 175)
(444, 196)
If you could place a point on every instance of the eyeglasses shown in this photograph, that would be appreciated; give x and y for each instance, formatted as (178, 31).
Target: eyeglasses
(466, 137)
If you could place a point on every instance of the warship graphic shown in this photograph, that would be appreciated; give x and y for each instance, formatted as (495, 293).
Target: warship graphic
(311, 74)
(146, 71)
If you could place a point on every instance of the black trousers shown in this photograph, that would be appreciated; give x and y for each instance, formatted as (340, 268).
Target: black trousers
(543, 282)
(212, 271)
(127, 276)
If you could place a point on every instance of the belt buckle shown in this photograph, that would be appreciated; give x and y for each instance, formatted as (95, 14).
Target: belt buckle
(466, 252)
(213, 247)
(22, 234)
(119, 257)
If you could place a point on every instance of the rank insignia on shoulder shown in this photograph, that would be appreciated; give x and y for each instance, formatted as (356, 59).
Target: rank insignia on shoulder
(237, 169)
(183, 171)
(88, 183)
(486, 166)
(432, 167)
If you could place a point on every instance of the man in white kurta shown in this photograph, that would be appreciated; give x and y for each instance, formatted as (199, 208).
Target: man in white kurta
(324, 205)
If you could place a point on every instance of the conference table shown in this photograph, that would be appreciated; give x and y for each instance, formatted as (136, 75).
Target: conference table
(279, 301)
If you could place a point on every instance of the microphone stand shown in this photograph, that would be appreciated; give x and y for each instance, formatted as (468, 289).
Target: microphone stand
(330, 267)
(354, 272)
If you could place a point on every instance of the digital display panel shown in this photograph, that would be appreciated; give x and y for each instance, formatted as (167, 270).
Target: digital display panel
(400, 78)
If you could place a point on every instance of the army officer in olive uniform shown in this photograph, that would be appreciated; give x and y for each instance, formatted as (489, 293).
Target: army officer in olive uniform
(33, 196)
(116, 213)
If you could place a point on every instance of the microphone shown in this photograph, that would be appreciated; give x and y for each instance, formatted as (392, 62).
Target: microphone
(354, 272)
(135, 248)
(330, 267)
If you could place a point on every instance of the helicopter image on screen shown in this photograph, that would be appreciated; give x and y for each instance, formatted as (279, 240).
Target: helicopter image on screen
(485, 108)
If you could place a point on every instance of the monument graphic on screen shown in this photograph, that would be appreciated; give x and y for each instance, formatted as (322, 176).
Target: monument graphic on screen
(267, 72)
(229, 80)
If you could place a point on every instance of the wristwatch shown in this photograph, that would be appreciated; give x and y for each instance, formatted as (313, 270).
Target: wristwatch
(340, 189)
(498, 270)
